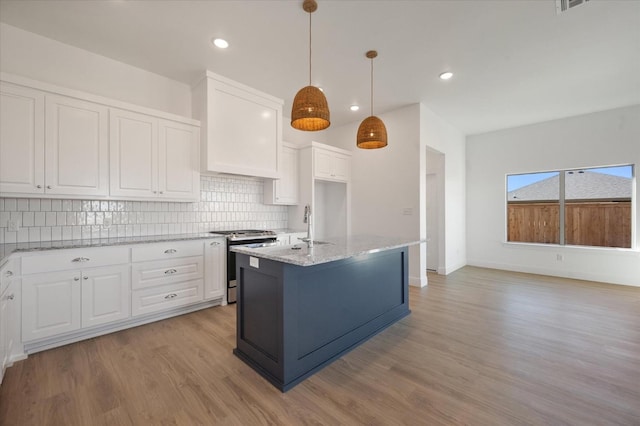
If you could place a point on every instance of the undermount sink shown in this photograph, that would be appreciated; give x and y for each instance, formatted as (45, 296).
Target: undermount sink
(303, 244)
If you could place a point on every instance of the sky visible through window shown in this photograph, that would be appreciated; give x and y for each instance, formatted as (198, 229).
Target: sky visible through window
(518, 181)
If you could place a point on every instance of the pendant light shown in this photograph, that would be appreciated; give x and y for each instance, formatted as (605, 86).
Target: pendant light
(310, 111)
(372, 133)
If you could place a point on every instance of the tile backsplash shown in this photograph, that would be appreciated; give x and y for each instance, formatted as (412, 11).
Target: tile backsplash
(225, 203)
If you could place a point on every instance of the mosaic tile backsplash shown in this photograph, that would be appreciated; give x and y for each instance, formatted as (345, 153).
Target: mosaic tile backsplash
(225, 203)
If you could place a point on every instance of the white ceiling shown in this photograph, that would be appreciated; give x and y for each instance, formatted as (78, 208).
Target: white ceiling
(515, 61)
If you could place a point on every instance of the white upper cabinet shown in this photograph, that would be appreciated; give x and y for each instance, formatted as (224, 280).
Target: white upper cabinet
(329, 164)
(178, 155)
(134, 154)
(242, 128)
(153, 158)
(57, 142)
(76, 150)
(21, 140)
(284, 190)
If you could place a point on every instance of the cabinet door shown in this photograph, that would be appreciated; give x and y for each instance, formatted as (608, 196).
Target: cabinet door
(50, 304)
(215, 269)
(4, 333)
(341, 167)
(178, 154)
(133, 143)
(76, 147)
(106, 295)
(323, 164)
(8, 324)
(287, 186)
(21, 140)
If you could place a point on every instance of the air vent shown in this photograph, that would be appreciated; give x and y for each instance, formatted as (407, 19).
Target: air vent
(564, 5)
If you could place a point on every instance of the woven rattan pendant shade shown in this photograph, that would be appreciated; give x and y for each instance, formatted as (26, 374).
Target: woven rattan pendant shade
(310, 110)
(372, 133)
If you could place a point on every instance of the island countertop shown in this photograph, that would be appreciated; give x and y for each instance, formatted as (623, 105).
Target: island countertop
(327, 250)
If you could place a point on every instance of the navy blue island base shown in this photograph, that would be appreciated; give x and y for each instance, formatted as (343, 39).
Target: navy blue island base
(294, 320)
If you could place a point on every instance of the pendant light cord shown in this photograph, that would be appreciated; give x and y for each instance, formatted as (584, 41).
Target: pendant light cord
(309, 48)
(371, 86)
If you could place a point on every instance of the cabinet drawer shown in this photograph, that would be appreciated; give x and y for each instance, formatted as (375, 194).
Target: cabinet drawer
(60, 260)
(161, 272)
(168, 250)
(157, 299)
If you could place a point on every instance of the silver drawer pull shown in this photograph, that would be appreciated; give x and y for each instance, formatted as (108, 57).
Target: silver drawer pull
(8, 274)
(170, 251)
(11, 297)
(76, 278)
(81, 259)
(170, 271)
(215, 243)
(171, 296)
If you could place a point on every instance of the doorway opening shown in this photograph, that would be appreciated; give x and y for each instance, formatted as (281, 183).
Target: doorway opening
(435, 212)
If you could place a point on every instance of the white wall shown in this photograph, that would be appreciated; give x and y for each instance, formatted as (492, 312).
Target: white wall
(40, 58)
(598, 139)
(388, 181)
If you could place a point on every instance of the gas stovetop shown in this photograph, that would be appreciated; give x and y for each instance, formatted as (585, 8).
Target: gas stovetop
(246, 234)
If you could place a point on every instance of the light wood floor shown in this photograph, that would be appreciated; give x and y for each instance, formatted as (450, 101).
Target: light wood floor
(481, 347)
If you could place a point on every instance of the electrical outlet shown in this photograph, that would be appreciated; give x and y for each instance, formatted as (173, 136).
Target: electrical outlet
(106, 223)
(407, 211)
(12, 225)
(559, 257)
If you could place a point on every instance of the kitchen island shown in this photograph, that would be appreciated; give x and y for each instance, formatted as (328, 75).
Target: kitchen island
(301, 308)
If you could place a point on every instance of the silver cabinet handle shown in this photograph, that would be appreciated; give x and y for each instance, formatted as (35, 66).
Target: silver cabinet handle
(76, 278)
(48, 186)
(170, 251)
(215, 243)
(161, 192)
(155, 192)
(11, 297)
(170, 271)
(81, 259)
(8, 274)
(85, 278)
(38, 186)
(171, 296)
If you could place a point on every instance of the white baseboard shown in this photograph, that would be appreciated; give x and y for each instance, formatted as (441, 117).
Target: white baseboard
(532, 269)
(418, 281)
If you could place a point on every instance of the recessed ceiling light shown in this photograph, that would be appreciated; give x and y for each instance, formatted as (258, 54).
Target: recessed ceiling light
(446, 75)
(354, 107)
(221, 43)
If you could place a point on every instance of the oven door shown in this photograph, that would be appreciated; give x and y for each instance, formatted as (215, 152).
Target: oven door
(231, 262)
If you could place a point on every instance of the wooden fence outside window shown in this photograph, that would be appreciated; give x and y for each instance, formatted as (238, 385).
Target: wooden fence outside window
(591, 223)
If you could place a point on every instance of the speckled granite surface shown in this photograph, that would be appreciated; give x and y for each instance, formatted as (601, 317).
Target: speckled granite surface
(334, 249)
(7, 249)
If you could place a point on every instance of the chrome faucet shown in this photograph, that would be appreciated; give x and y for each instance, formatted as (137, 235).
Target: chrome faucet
(307, 220)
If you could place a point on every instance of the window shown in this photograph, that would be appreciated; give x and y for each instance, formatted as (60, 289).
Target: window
(586, 207)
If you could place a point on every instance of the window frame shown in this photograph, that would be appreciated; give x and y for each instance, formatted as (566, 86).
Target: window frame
(562, 211)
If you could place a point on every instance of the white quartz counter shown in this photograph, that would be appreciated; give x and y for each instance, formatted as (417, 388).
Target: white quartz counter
(331, 250)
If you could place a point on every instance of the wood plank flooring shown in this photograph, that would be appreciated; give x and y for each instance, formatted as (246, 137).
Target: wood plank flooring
(481, 347)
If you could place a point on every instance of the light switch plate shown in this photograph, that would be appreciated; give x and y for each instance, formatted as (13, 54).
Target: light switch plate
(254, 262)
(12, 226)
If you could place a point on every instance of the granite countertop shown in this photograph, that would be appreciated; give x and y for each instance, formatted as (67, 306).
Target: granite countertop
(7, 249)
(333, 249)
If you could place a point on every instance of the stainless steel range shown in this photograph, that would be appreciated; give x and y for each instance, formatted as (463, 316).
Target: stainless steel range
(244, 237)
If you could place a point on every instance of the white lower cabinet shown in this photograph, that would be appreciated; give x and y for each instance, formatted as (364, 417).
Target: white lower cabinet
(61, 302)
(52, 298)
(105, 295)
(8, 309)
(215, 255)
